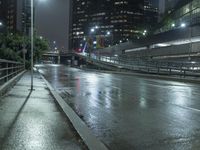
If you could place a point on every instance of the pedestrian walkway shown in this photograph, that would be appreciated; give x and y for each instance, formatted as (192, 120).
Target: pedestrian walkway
(33, 121)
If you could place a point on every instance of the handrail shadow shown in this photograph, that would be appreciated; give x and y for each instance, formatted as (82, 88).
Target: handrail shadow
(8, 132)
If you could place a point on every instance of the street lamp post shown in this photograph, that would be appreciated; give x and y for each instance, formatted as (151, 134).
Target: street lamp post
(32, 41)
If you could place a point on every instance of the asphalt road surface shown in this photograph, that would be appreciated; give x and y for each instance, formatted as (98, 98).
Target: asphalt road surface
(131, 113)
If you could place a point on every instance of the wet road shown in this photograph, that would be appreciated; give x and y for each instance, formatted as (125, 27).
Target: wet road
(132, 113)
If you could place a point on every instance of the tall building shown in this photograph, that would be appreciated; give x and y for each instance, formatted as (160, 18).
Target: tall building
(2, 15)
(127, 17)
(15, 15)
(150, 15)
(108, 21)
(8, 14)
(180, 14)
(167, 6)
(25, 17)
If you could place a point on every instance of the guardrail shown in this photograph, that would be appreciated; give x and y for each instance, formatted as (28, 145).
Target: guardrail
(9, 69)
(149, 66)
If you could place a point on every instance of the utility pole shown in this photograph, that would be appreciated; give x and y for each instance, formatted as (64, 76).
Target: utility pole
(32, 41)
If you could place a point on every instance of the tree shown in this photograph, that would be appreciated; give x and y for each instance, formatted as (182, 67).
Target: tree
(40, 47)
(11, 46)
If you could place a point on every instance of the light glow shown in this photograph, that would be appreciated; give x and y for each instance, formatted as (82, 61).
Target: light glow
(183, 25)
(92, 30)
(108, 33)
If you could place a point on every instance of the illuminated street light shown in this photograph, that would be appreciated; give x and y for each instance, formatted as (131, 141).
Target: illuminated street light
(96, 27)
(108, 33)
(183, 25)
(173, 25)
(145, 32)
(1, 24)
(32, 38)
(92, 30)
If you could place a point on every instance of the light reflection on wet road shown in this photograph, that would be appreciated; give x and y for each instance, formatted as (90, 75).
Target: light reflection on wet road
(128, 112)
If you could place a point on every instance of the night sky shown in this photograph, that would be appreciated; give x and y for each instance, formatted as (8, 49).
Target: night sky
(52, 21)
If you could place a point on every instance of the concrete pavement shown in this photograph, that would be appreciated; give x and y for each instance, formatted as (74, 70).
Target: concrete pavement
(33, 121)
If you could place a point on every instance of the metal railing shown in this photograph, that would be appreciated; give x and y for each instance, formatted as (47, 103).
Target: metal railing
(9, 69)
(148, 66)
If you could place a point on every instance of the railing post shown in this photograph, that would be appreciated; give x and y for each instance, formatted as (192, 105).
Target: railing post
(12, 70)
(158, 70)
(184, 73)
(7, 72)
(9, 69)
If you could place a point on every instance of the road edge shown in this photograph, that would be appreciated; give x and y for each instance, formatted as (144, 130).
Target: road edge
(85, 133)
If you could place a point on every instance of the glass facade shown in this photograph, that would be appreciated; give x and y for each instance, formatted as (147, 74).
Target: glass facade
(186, 15)
(26, 17)
(116, 21)
(8, 11)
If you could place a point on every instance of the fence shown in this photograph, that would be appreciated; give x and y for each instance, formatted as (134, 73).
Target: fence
(148, 66)
(9, 69)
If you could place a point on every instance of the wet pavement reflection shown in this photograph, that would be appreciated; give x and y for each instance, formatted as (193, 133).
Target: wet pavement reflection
(128, 112)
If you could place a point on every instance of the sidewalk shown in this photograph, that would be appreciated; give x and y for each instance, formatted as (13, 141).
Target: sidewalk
(33, 121)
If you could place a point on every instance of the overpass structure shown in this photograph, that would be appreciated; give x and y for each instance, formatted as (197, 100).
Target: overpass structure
(183, 42)
(175, 52)
(130, 61)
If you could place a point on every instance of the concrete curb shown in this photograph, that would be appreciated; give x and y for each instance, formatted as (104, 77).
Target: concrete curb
(10, 83)
(161, 77)
(89, 139)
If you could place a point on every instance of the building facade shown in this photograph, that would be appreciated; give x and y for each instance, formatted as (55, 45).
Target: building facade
(150, 15)
(103, 23)
(15, 15)
(8, 14)
(166, 6)
(25, 19)
(183, 14)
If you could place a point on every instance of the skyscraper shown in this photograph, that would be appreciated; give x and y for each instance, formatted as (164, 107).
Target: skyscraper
(179, 14)
(167, 6)
(8, 14)
(25, 17)
(150, 15)
(113, 21)
(15, 15)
